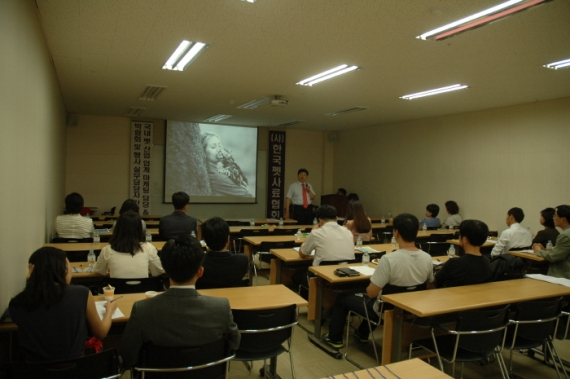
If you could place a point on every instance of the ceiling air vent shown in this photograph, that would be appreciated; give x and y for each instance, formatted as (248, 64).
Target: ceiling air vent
(291, 123)
(135, 111)
(349, 110)
(151, 92)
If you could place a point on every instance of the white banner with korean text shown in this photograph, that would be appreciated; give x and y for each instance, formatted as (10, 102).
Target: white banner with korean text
(141, 153)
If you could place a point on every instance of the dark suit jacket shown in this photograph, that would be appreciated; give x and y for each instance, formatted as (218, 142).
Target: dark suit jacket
(223, 269)
(179, 317)
(545, 235)
(175, 225)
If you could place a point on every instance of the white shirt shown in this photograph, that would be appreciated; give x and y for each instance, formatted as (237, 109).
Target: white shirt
(453, 220)
(513, 237)
(331, 242)
(127, 266)
(74, 226)
(403, 268)
(295, 193)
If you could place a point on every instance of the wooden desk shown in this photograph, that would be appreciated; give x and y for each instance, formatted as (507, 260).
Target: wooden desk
(530, 256)
(83, 275)
(86, 246)
(153, 232)
(455, 299)
(456, 243)
(410, 369)
(116, 216)
(270, 228)
(109, 224)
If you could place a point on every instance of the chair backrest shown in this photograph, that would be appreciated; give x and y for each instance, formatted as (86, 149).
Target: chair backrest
(284, 232)
(340, 262)
(537, 310)
(440, 237)
(197, 362)
(253, 232)
(265, 329)
(390, 289)
(432, 228)
(482, 320)
(267, 246)
(71, 240)
(237, 223)
(136, 285)
(102, 365)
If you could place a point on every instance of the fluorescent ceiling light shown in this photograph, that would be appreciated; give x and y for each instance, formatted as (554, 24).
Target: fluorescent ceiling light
(249, 1)
(218, 118)
(255, 103)
(183, 54)
(436, 91)
(560, 64)
(480, 18)
(342, 69)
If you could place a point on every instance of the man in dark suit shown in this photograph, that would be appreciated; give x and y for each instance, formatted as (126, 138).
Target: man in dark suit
(180, 316)
(222, 268)
(178, 223)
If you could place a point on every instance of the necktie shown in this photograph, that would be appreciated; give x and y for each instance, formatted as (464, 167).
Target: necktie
(305, 201)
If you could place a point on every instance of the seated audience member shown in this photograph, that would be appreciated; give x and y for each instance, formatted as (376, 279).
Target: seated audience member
(54, 317)
(515, 237)
(178, 223)
(341, 191)
(405, 267)
(222, 268)
(472, 267)
(128, 256)
(180, 316)
(431, 220)
(352, 197)
(549, 233)
(454, 219)
(329, 240)
(358, 222)
(559, 256)
(130, 205)
(71, 224)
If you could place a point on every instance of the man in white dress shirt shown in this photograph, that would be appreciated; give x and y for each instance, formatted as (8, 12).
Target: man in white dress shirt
(299, 198)
(515, 237)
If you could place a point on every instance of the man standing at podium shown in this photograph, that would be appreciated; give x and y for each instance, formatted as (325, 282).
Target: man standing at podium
(299, 199)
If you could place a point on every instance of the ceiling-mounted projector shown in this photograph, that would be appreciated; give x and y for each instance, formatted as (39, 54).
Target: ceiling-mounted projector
(279, 103)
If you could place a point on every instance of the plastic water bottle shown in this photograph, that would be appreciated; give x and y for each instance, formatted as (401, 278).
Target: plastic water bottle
(252, 222)
(383, 221)
(390, 219)
(298, 235)
(424, 226)
(91, 258)
(359, 242)
(549, 245)
(96, 238)
(365, 258)
(394, 242)
(451, 251)
(315, 221)
(281, 222)
(193, 234)
(148, 236)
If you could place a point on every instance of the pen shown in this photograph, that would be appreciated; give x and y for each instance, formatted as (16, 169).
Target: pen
(117, 298)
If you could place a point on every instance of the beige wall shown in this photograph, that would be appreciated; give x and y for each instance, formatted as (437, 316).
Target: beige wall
(32, 147)
(98, 166)
(487, 161)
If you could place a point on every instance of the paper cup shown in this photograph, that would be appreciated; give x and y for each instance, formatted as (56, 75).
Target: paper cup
(150, 294)
(108, 293)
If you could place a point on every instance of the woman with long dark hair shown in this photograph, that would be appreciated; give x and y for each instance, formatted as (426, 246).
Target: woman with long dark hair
(357, 221)
(549, 233)
(54, 317)
(130, 205)
(128, 256)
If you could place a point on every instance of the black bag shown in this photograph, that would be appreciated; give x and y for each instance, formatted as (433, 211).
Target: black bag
(346, 271)
(506, 267)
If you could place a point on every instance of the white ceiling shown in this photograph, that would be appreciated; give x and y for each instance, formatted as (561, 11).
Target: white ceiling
(107, 52)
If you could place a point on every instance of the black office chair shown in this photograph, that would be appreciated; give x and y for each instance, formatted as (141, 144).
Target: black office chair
(71, 240)
(263, 333)
(208, 361)
(381, 306)
(479, 334)
(153, 283)
(284, 232)
(385, 235)
(237, 223)
(436, 244)
(110, 213)
(535, 324)
(248, 233)
(95, 366)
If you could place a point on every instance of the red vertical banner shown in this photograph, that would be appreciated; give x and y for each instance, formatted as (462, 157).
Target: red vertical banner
(276, 175)
(141, 153)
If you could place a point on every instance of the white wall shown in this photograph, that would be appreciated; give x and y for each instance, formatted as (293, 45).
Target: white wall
(487, 161)
(97, 166)
(32, 147)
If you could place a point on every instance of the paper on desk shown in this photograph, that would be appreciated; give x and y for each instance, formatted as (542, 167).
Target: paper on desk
(550, 279)
(101, 310)
(364, 270)
(528, 251)
(297, 249)
(491, 241)
(367, 249)
(436, 263)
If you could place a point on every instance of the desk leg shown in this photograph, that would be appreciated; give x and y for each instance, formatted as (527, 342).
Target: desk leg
(315, 338)
(247, 252)
(397, 325)
(275, 271)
